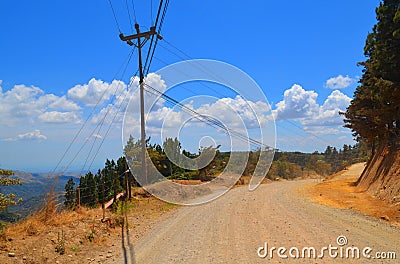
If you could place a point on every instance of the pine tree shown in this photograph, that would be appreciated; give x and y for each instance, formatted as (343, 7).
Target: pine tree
(374, 113)
(90, 198)
(70, 194)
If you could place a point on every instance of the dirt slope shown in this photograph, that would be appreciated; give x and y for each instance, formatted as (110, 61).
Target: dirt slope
(340, 191)
(232, 228)
(381, 177)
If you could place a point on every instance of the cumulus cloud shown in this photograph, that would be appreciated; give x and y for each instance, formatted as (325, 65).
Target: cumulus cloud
(328, 114)
(299, 104)
(25, 104)
(339, 82)
(115, 111)
(234, 113)
(62, 103)
(29, 136)
(59, 117)
(95, 91)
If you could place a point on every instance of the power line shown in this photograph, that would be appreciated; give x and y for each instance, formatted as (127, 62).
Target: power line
(158, 26)
(209, 72)
(208, 120)
(163, 16)
(134, 11)
(115, 17)
(86, 120)
(129, 14)
(196, 64)
(111, 123)
(185, 74)
(101, 123)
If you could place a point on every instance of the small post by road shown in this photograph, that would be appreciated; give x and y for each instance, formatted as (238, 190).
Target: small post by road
(78, 193)
(129, 181)
(115, 187)
(103, 198)
(126, 185)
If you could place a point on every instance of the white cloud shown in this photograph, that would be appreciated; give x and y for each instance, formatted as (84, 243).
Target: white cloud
(95, 91)
(297, 103)
(25, 104)
(164, 117)
(59, 117)
(115, 112)
(30, 136)
(328, 114)
(236, 114)
(339, 82)
(62, 103)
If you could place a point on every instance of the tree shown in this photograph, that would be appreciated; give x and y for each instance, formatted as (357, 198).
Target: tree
(132, 152)
(8, 199)
(88, 190)
(206, 158)
(172, 148)
(70, 194)
(374, 113)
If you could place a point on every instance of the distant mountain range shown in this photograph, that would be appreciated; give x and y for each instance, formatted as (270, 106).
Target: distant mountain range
(32, 191)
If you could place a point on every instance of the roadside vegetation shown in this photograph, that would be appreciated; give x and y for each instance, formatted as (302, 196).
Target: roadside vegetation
(374, 113)
(7, 199)
(115, 176)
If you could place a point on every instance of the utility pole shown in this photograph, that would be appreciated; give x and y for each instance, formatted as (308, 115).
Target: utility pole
(139, 46)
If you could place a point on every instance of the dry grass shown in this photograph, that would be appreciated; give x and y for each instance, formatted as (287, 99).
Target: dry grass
(49, 216)
(84, 235)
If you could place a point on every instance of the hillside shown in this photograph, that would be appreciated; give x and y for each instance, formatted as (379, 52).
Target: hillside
(381, 177)
(32, 191)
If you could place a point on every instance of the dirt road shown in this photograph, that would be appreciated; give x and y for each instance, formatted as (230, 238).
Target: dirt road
(232, 228)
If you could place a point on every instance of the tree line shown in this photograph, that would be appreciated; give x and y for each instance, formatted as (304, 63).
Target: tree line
(115, 177)
(293, 164)
(105, 184)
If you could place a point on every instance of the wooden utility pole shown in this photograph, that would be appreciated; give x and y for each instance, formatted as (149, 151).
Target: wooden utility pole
(139, 46)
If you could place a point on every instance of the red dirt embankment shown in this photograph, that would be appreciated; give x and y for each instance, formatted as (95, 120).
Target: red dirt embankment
(381, 177)
(339, 191)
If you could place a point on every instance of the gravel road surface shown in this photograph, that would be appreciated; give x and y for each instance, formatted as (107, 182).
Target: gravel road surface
(232, 229)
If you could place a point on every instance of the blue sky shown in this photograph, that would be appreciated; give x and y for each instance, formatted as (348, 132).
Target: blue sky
(57, 56)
